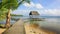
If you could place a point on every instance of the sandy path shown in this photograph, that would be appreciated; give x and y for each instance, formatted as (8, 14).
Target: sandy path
(2, 30)
(17, 28)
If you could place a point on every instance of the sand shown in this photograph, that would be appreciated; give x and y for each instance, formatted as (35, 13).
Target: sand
(2, 30)
(36, 30)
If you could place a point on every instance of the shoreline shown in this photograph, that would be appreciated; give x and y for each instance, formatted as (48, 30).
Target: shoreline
(36, 30)
(2, 30)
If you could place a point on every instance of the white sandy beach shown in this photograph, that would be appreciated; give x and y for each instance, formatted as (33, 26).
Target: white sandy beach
(2, 30)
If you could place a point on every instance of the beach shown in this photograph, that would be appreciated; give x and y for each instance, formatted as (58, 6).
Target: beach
(2, 30)
(36, 30)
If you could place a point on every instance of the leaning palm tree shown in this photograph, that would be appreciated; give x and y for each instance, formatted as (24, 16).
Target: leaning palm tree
(11, 5)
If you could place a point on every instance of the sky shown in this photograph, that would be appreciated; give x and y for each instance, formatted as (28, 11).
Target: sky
(44, 7)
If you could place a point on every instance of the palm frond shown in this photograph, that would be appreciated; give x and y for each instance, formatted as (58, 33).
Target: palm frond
(13, 4)
(21, 2)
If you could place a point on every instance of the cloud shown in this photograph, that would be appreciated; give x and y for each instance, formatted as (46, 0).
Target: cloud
(51, 12)
(29, 5)
(38, 5)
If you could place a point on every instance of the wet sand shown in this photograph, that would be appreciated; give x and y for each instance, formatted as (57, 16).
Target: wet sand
(36, 30)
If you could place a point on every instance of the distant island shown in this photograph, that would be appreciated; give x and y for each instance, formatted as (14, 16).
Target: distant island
(16, 15)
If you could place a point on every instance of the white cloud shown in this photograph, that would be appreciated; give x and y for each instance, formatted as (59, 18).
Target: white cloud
(32, 4)
(26, 4)
(29, 5)
(38, 5)
(51, 12)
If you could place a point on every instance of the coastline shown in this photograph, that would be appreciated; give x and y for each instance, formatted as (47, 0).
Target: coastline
(36, 30)
(2, 30)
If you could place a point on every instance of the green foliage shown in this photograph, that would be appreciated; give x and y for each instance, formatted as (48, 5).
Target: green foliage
(15, 15)
(3, 12)
(1, 24)
(12, 4)
(9, 4)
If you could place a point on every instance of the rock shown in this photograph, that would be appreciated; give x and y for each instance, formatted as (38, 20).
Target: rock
(33, 13)
(35, 16)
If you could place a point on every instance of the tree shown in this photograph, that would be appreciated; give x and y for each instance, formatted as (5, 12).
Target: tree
(3, 12)
(11, 5)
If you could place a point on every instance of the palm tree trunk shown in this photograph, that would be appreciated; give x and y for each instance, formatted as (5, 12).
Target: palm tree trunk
(7, 25)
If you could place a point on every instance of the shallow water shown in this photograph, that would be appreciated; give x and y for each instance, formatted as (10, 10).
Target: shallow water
(52, 24)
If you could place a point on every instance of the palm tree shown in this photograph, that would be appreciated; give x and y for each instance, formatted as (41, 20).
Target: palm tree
(11, 5)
